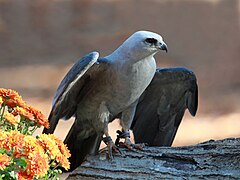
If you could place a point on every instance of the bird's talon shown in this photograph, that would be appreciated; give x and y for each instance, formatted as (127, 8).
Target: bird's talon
(110, 148)
(123, 144)
(102, 150)
(132, 146)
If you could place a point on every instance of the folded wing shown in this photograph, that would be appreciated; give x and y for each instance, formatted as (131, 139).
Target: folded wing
(161, 107)
(69, 91)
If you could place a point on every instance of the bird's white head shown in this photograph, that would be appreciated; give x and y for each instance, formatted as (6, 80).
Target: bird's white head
(141, 44)
(146, 41)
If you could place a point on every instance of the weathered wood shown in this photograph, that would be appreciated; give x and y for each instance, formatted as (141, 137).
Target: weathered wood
(208, 160)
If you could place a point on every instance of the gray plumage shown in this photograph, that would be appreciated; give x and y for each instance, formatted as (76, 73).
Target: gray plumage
(96, 90)
(162, 105)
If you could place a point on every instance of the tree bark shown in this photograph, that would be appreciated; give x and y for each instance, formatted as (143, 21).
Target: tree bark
(208, 160)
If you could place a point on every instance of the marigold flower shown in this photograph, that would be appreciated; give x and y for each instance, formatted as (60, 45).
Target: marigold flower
(49, 145)
(31, 145)
(39, 117)
(13, 140)
(14, 100)
(4, 161)
(56, 149)
(20, 102)
(23, 175)
(11, 118)
(37, 164)
(3, 137)
(62, 147)
(23, 112)
(38, 153)
(9, 93)
(63, 161)
(11, 103)
(14, 97)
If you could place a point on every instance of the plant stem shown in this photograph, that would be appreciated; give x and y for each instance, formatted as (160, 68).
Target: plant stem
(3, 109)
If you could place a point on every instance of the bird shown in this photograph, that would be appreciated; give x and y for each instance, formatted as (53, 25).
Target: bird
(96, 90)
(162, 105)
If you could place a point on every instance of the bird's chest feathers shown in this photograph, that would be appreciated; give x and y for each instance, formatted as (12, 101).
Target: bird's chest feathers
(142, 73)
(136, 77)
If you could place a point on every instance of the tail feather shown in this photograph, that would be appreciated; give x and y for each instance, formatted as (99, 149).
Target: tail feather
(81, 142)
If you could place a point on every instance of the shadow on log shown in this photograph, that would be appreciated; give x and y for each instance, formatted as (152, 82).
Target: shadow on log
(208, 160)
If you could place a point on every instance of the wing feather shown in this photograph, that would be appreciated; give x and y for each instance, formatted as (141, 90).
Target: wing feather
(66, 97)
(161, 107)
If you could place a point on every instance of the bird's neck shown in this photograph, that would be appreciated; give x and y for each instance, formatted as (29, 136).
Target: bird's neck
(124, 55)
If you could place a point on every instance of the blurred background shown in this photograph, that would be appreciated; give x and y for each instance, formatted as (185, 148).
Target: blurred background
(41, 39)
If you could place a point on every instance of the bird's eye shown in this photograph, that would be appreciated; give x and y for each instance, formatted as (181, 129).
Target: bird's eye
(151, 40)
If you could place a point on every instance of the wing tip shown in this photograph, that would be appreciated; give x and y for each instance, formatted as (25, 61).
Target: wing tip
(94, 55)
(193, 101)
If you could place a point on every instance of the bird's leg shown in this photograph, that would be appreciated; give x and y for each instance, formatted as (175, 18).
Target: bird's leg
(111, 147)
(126, 121)
(104, 119)
(127, 142)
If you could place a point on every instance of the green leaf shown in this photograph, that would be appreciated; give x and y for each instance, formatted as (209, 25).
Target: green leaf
(5, 175)
(21, 162)
(2, 151)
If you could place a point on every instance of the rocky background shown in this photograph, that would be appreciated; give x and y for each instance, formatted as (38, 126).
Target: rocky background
(40, 40)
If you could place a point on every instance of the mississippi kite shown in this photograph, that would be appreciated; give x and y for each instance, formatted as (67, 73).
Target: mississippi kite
(162, 105)
(96, 90)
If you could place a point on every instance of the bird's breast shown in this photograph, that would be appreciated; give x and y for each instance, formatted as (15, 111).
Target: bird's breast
(132, 81)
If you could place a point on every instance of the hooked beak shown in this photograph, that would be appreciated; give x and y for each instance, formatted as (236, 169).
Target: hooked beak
(163, 46)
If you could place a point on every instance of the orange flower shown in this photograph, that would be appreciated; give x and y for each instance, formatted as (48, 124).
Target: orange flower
(62, 147)
(56, 149)
(22, 175)
(14, 97)
(9, 93)
(39, 117)
(23, 112)
(31, 145)
(37, 164)
(63, 161)
(4, 161)
(49, 145)
(20, 102)
(13, 139)
(11, 118)
(14, 100)
(11, 103)
(3, 137)
(38, 153)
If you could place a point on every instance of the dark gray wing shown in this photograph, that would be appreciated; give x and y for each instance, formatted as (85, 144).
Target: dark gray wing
(68, 92)
(161, 107)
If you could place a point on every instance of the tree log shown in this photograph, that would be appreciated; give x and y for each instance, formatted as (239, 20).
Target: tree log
(208, 160)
